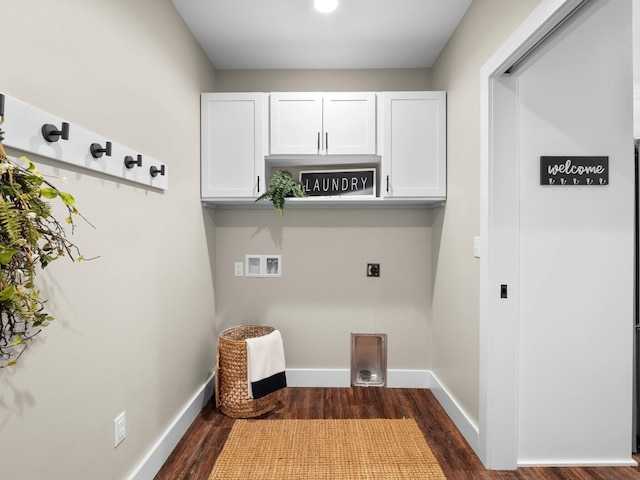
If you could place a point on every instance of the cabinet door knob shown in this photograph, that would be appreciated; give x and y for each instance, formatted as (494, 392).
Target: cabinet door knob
(326, 142)
(318, 142)
(387, 183)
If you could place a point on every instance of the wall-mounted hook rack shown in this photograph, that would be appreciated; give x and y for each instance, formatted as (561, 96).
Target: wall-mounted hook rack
(154, 171)
(27, 126)
(1, 116)
(52, 134)
(97, 150)
(129, 162)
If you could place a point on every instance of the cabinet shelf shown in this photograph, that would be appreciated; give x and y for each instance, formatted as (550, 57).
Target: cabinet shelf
(327, 203)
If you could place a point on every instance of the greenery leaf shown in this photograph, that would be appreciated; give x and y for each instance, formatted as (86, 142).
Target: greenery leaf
(67, 199)
(46, 260)
(40, 320)
(49, 192)
(281, 186)
(6, 254)
(17, 340)
(31, 166)
(36, 180)
(7, 293)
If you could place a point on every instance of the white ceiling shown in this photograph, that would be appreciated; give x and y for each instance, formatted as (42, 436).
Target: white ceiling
(243, 34)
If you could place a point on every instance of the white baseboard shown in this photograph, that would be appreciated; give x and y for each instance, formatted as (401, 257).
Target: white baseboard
(461, 420)
(409, 379)
(155, 458)
(341, 377)
(624, 462)
(316, 377)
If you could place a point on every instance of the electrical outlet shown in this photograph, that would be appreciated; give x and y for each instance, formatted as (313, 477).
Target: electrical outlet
(238, 269)
(373, 269)
(119, 429)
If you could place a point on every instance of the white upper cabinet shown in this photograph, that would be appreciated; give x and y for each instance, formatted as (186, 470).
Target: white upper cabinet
(295, 123)
(402, 135)
(349, 123)
(413, 144)
(323, 123)
(232, 145)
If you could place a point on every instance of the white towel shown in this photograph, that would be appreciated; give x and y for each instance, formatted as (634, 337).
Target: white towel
(265, 364)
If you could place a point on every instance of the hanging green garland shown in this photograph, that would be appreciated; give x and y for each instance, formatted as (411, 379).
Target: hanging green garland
(30, 239)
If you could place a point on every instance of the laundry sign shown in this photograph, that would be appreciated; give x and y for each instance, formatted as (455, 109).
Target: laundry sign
(574, 171)
(324, 183)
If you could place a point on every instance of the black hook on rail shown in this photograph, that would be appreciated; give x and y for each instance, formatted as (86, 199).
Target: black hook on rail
(97, 150)
(154, 171)
(52, 134)
(129, 161)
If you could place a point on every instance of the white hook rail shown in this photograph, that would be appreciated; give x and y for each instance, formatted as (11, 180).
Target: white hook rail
(23, 126)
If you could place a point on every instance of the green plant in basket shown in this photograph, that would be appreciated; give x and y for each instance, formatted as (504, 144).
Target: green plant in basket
(30, 238)
(281, 186)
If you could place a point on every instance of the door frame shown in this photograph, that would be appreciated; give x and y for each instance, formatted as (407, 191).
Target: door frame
(499, 233)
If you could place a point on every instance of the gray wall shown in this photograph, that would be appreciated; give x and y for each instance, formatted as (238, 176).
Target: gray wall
(486, 25)
(134, 329)
(323, 80)
(324, 294)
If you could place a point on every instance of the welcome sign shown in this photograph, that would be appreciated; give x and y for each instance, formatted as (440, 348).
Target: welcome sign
(325, 183)
(574, 171)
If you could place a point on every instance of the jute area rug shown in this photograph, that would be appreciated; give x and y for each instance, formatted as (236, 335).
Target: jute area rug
(374, 449)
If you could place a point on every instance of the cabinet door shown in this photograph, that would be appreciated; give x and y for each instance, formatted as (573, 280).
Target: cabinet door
(296, 123)
(414, 144)
(349, 123)
(232, 152)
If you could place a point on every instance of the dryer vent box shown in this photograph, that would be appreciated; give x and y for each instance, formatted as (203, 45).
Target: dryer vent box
(368, 359)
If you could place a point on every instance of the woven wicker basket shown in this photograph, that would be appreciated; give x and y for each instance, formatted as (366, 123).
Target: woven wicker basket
(231, 374)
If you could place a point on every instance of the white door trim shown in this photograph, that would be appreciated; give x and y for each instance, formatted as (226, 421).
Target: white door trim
(499, 214)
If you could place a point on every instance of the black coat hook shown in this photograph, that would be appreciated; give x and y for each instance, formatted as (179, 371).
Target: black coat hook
(129, 162)
(155, 171)
(97, 150)
(52, 134)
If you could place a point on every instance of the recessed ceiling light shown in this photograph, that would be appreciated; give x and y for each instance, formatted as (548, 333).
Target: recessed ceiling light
(325, 6)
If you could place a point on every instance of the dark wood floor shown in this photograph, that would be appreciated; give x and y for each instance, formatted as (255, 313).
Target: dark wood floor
(196, 453)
